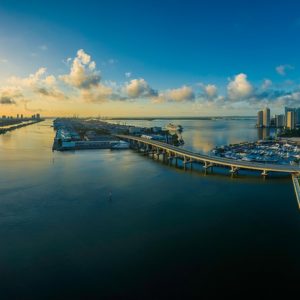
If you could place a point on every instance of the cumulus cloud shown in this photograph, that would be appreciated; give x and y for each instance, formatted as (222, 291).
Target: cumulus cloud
(211, 90)
(83, 83)
(51, 92)
(83, 73)
(139, 88)
(239, 88)
(38, 83)
(282, 69)
(99, 94)
(6, 100)
(8, 95)
(182, 94)
(31, 81)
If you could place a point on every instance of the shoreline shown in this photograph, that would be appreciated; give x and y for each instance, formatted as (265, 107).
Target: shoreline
(14, 127)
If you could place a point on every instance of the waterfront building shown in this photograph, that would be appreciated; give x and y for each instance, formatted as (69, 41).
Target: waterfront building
(260, 119)
(290, 120)
(279, 121)
(287, 110)
(266, 117)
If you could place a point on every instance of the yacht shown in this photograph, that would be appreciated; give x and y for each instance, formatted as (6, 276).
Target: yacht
(120, 145)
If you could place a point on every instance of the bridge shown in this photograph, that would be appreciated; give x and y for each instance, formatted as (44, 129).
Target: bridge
(171, 152)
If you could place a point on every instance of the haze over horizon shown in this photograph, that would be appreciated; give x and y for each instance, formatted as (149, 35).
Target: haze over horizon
(147, 58)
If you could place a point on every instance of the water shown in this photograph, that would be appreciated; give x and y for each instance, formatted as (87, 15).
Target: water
(203, 135)
(99, 224)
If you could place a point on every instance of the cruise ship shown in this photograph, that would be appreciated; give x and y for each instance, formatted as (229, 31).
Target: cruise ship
(173, 127)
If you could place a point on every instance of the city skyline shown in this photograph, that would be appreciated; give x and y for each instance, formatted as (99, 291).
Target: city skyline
(148, 59)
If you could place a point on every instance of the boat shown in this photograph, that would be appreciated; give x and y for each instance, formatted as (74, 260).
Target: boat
(121, 145)
(173, 127)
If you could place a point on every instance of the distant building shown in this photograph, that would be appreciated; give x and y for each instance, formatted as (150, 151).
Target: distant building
(290, 120)
(135, 130)
(279, 121)
(260, 119)
(21, 116)
(266, 117)
(38, 116)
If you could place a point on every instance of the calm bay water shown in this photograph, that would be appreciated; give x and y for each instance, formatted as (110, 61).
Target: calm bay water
(164, 234)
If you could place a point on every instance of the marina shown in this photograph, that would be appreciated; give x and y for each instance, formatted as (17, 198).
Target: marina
(262, 151)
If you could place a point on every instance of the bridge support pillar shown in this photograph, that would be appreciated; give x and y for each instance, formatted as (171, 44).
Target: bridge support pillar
(208, 165)
(234, 170)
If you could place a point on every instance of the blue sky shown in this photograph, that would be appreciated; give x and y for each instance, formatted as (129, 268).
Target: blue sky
(170, 45)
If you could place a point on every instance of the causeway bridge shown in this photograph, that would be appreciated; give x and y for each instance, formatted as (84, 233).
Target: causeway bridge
(170, 152)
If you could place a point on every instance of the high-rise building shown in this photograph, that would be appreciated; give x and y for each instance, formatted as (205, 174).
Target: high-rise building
(279, 121)
(266, 117)
(290, 109)
(260, 119)
(38, 116)
(290, 119)
(297, 117)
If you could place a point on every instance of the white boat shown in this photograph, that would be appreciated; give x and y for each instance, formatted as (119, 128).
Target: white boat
(173, 127)
(120, 145)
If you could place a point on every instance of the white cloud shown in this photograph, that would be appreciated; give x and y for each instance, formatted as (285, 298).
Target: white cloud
(266, 84)
(282, 69)
(31, 81)
(98, 94)
(3, 60)
(183, 94)
(211, 90)
(38, 83)
(239, 88)
(83, 73)
(139, 88)
(128, 74)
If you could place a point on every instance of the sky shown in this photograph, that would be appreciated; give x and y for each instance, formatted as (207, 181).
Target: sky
(149, 58)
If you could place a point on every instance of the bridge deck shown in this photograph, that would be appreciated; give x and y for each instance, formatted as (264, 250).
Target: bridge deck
(297, 188)
(214, 159)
